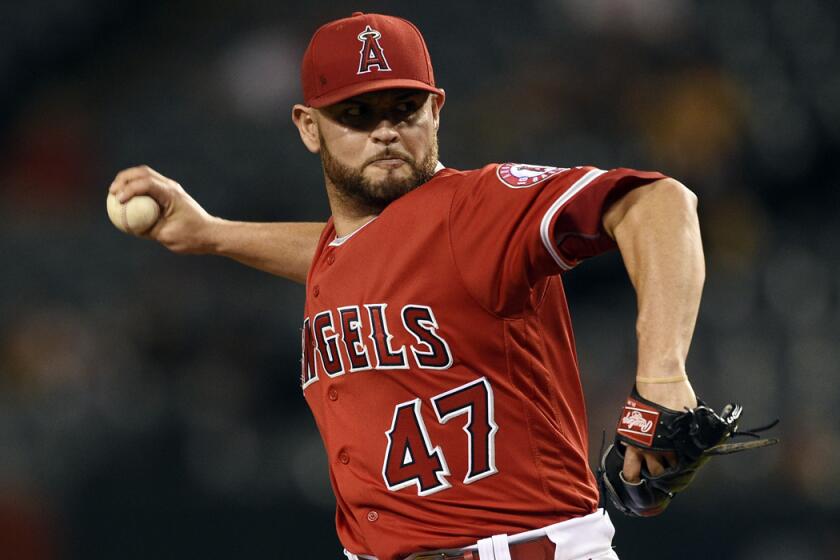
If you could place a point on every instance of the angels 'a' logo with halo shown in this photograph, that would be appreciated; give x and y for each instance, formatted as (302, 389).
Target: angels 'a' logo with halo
(372, 54)
(520, 175)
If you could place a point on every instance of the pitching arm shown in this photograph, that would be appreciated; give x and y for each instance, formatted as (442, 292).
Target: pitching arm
(282, 249)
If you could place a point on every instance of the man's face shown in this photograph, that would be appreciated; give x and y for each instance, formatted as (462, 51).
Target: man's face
(379, 146)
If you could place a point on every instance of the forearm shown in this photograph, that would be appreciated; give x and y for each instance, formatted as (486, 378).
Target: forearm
(284, 249)
(659, 239)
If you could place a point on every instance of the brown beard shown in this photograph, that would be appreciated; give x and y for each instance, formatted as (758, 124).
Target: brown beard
(366, 195)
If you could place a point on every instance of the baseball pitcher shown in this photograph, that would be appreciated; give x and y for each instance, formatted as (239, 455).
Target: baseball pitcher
(437, 352)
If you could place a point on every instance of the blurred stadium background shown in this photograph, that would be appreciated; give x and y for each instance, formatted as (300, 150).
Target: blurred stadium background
(149, 403)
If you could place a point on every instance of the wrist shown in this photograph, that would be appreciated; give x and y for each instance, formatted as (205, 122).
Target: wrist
(677, 395)
(662, 379)
(214, 236)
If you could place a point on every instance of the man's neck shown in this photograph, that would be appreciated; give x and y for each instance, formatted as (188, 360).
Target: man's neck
(345, 225)
(347, 217)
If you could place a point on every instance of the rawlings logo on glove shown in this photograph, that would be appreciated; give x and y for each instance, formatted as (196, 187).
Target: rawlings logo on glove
(694, 436)
(637, 422)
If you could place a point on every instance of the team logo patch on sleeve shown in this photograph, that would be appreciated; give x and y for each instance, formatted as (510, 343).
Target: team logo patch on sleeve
(638, 422)
(520, 175)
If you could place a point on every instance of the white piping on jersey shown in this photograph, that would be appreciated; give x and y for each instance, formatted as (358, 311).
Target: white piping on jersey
(545, 234)
(339, 240)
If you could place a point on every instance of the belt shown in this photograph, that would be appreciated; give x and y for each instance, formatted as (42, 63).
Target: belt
(540, 548)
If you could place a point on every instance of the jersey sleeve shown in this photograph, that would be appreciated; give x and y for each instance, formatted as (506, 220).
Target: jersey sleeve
(513, 225)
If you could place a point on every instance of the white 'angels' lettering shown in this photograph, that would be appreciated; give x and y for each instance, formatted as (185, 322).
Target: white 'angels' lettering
(326, 345)
(351, 337)
(386, 356)
(308, 375)
(352, 340)
(420, 321)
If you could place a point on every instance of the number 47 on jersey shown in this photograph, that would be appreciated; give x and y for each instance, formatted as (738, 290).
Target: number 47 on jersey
(411, 458)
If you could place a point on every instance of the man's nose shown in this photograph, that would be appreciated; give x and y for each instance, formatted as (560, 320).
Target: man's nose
(385, 132)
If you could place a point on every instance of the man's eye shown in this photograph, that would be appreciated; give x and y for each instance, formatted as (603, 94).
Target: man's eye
(353, 112)
(406, 107)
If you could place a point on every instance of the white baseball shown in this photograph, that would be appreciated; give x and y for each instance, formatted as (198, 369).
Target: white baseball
(137, 216)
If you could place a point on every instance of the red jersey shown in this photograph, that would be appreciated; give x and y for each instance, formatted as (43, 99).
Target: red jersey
(439, 360)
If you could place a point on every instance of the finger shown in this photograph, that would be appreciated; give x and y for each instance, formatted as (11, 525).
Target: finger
(131, 173)
(124, 176)
(146, 186)
(632, 469)
(653, 462)
(670, 458)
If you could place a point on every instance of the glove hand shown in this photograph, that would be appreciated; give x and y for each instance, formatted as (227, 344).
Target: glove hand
(676, 396)
(658, 450)
(654, 463)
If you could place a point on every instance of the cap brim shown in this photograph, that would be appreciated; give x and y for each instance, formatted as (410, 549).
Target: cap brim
(367, 87)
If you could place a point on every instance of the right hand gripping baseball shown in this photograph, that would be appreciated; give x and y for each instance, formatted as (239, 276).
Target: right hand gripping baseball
(184, 226)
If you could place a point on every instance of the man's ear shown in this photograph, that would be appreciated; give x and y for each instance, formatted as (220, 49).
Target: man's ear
(437, 105)
(306, 121)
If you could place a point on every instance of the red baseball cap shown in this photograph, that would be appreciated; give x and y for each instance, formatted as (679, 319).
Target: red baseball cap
(363, 53)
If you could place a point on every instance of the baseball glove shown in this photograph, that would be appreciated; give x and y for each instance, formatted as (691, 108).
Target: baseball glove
(694, 436)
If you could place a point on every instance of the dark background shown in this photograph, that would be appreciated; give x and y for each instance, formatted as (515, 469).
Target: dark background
(150, 404)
